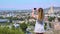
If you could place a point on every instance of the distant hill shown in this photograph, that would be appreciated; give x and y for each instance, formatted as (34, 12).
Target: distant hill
(30, 10)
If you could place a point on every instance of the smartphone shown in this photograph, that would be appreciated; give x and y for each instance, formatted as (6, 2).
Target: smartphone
(35, 11)
(34, 8)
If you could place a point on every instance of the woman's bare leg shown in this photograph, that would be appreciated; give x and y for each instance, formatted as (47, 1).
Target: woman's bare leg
(39, 33)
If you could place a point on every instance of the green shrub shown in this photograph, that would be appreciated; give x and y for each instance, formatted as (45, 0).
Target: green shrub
(23, 26)
(45, 26)
(6, 30)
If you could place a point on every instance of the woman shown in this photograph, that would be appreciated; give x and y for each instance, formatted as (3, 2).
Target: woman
(39, 26)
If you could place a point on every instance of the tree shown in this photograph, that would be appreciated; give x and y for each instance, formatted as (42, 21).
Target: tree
(51, 18)
(1, 17)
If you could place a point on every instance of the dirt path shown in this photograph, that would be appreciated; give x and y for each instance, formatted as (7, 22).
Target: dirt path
(52, 32)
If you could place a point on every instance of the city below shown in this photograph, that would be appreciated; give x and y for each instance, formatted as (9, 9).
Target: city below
(16, 17)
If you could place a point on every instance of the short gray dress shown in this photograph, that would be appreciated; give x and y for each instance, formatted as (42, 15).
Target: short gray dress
(39, 27)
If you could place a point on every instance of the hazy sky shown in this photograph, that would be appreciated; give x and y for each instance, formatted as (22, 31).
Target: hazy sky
(27, 4)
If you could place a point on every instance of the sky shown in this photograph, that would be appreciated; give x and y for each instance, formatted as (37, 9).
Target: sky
(27, 4)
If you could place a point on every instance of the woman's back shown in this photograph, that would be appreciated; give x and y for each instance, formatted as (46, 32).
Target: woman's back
(39, 26)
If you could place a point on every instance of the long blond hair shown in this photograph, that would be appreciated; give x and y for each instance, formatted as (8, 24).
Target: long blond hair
(40, 14)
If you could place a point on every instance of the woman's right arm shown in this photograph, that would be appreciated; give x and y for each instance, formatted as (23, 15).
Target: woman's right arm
(33, 15)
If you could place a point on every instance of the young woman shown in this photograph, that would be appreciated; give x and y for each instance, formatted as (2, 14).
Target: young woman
(39, 26)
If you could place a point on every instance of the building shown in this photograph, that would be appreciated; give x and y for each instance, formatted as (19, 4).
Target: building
(51, 11)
